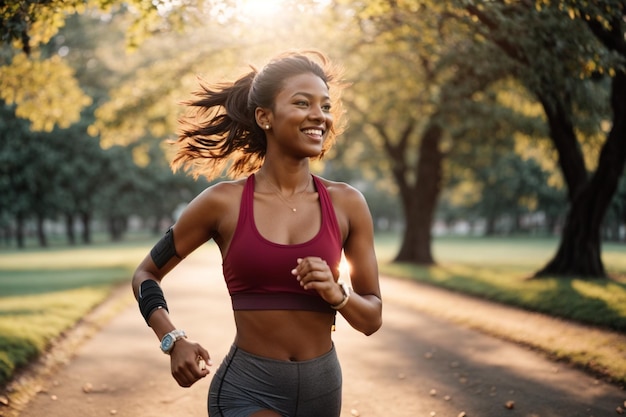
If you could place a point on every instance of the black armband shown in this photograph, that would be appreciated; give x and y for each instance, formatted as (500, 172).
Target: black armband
(150, 299)
(164, 250)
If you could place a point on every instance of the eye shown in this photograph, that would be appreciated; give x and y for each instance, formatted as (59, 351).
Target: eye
(301, 103)
(326, 107)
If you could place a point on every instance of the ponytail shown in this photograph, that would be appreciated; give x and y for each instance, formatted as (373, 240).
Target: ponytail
(220, 124)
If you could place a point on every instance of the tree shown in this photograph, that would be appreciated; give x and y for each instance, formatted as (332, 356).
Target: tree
(14, 172)
(580, 252)
(142, 91)
(580, 44)
(416, 97)
(393, 104)
(40, 82)
(36, 83)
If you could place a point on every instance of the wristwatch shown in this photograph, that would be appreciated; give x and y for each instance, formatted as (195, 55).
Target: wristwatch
(167, 343)
(346, 290)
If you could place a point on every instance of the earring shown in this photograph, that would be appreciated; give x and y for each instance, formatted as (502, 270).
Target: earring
(267, 127)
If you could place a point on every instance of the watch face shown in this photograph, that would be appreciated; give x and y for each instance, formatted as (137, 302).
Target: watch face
(167, 342)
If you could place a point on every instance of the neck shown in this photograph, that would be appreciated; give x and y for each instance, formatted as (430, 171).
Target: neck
(287, 182)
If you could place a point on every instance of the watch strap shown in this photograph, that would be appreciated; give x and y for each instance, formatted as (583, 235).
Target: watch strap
(346, 290)
(177, 334)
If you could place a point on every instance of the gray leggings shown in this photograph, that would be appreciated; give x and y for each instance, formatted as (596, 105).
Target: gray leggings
(246, 383)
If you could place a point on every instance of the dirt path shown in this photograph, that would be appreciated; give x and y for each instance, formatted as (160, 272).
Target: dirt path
(421, 363)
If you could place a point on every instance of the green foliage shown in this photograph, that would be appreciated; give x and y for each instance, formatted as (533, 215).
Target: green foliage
(27, 24)
(555, 55)
(41, 85)
(66, 174)
(40, 88)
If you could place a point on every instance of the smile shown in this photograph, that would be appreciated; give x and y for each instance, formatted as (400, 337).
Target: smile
(313, 132)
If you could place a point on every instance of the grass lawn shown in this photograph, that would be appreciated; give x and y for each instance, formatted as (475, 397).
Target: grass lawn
(499, 269)
(45, 292)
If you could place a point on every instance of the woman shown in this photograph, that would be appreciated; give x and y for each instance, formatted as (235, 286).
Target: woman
(281, 232)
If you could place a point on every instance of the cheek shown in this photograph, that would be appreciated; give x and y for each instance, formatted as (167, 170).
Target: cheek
(329, 122)
(288, 117)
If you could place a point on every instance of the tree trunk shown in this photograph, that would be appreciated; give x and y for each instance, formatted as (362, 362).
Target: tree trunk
(69, 228)
(571, 158)
(117, 226)
(41, 234)
(420, 200)
(19, 231)
(517, 224)
(6, 236)
(156, 226)
(86, 220)
(579, 253)
(490, 226)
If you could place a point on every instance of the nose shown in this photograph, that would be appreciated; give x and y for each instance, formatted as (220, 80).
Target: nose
(317, 113)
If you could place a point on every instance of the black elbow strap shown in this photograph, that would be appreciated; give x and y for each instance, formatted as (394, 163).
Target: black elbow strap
(151, 298)
(164, 250)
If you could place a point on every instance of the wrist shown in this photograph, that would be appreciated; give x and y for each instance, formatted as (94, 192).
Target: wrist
(345, 290)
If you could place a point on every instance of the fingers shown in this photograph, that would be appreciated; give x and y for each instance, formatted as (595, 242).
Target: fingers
(204, 360)
(189, 362)
(312, 272)
(204, 355)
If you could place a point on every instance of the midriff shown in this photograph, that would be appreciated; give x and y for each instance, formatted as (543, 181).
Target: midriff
(290, 335)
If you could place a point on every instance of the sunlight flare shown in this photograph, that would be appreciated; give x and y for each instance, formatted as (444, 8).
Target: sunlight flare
(259, 9)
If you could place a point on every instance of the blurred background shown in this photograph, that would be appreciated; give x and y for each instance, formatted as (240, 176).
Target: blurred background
(494, 118)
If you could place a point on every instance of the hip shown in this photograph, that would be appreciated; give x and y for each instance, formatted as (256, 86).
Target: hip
(245, 383)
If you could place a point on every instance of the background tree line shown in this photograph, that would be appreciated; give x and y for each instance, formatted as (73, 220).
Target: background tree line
(66, 177)
(510, 113)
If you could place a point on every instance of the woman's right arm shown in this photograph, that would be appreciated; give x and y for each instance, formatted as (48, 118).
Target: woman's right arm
(198, 223)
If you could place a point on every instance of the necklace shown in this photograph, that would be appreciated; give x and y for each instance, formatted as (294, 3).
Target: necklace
(288, 203)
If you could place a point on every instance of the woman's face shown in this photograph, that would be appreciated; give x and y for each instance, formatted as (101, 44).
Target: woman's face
(301, 117)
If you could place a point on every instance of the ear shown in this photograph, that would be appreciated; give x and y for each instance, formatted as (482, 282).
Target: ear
(263, 117)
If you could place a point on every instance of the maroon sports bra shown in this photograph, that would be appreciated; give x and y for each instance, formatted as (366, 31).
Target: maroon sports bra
(258, 272)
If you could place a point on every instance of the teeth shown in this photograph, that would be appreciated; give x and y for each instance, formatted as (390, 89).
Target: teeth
(313, 132)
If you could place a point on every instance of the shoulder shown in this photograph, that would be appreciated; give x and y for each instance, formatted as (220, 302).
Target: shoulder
(223, 192)
(215, 201)
(203, 216)
(342, 193)
(351, 209)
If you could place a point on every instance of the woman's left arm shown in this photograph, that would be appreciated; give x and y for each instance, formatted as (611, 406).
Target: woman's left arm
(364, 308)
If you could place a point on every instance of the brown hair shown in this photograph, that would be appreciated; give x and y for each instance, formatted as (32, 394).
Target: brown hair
(219, 133)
